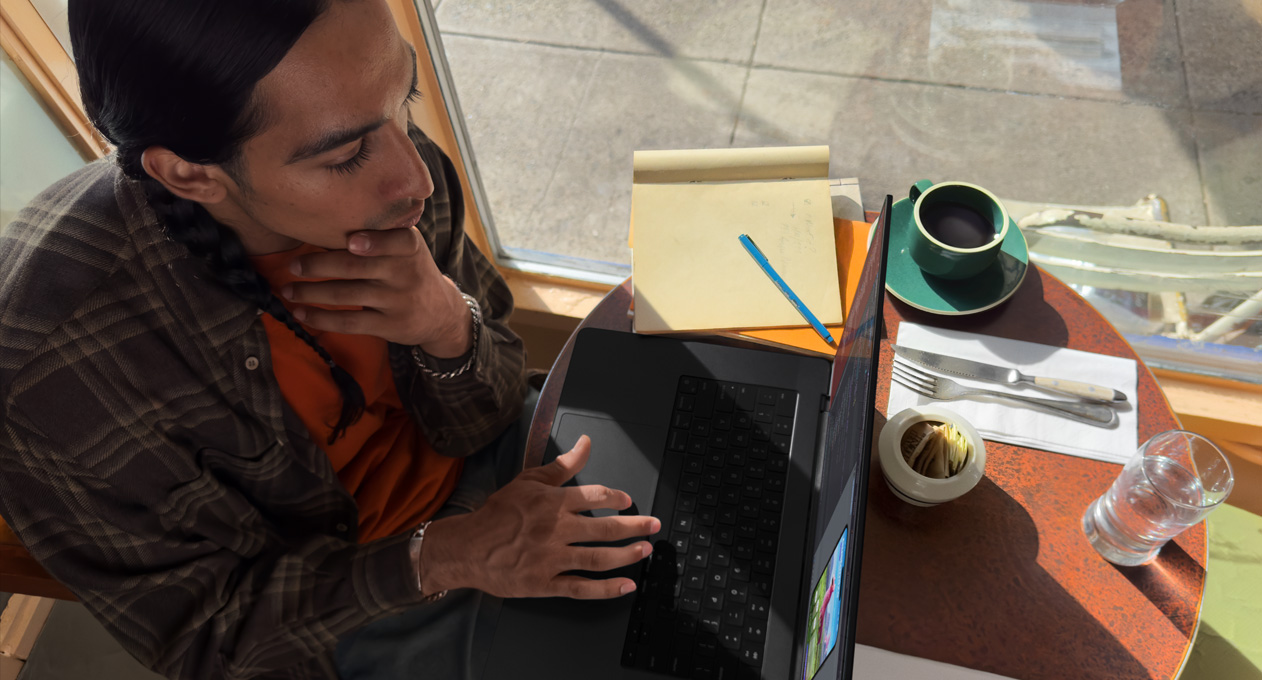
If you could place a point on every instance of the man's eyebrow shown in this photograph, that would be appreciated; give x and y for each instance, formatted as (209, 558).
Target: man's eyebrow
(331, 140)
(335, 138)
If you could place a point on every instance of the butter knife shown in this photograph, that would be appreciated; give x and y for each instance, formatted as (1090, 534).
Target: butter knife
(1009, 376)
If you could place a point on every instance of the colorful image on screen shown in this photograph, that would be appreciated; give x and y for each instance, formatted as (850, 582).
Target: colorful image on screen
(825, 611)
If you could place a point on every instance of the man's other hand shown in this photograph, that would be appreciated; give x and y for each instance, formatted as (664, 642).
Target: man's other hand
(391, 274)
(521, 543)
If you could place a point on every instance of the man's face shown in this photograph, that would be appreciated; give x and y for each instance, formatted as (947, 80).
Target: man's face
(333, 156)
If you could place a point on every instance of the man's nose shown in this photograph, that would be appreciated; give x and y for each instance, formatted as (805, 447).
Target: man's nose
(406, 175)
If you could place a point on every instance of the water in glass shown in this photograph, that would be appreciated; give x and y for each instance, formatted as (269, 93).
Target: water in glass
(1171, 484)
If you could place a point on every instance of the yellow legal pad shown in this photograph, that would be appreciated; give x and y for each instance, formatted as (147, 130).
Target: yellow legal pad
(690, 272)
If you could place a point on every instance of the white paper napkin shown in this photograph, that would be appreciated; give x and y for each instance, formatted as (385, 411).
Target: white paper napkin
(873, 663)
(1000, 421)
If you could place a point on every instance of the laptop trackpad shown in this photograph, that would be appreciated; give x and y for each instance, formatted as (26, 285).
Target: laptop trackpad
(559, 638)
(625, 456)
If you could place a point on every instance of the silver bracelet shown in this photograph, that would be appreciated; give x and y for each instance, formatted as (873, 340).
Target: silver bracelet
(475, 311)
(414, 551)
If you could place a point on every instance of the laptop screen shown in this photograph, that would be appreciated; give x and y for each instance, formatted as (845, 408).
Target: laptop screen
(833, 578)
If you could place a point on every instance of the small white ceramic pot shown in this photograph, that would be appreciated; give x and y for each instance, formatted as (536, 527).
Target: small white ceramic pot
(914, 487)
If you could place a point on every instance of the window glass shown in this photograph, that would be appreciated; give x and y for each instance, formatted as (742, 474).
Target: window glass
(1093, 104)
(34, 151)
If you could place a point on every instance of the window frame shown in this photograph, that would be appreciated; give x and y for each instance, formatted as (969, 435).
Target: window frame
(1221, 408)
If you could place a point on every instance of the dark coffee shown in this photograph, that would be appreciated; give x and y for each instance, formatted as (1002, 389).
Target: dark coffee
(957, 225)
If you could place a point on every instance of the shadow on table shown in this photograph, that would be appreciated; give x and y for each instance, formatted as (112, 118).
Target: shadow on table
(1037, 322)
(975, 596)
(1155, 582)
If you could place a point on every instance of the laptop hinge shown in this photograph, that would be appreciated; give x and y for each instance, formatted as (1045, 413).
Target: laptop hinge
(823, 403)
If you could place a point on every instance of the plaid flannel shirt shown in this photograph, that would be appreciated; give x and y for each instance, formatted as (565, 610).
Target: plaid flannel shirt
(150, 463)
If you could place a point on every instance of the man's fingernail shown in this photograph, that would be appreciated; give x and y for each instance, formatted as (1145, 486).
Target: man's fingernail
(657, 525)
(627, 587)
(287, 291)
(646, 549)
(300, 314)
(359, 243)
(296, 267)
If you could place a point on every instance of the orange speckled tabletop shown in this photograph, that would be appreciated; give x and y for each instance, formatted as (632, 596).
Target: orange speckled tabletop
(1002, 579)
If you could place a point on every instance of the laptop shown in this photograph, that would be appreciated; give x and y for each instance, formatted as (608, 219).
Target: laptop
(756, 462)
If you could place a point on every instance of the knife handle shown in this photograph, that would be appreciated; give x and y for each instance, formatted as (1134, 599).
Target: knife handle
(1080, 389)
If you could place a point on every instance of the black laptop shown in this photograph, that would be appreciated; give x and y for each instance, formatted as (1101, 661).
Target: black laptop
(756, 462)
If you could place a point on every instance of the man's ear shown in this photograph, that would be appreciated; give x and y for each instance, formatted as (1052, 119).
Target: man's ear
(193, 181)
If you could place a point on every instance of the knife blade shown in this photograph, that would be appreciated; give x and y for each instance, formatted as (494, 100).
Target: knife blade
(1008, 376)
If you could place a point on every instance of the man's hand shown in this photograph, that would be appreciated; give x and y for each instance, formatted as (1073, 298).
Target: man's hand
(392, 275)
(521, 542)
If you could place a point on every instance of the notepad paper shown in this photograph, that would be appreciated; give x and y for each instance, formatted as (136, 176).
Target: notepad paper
(689, 271)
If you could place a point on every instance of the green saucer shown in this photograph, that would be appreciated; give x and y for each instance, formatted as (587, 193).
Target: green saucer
(907, 282)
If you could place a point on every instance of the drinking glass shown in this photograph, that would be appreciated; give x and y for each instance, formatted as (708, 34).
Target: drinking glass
(1173, 481)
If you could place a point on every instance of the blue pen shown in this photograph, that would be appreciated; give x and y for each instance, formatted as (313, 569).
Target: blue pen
(784, 288)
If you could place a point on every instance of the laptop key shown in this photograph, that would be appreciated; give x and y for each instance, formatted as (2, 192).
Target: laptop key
(690, 603)
(677, 441)
(755, 632)
(712, 600)
(751, 655)
(685, 402)
(736, 458)
(763, 564)
(727, 516)
(734, 616)
(686, 503)
(702, 537)
(743, 420)
(782, 426)
(700, 427)
(683, 523)
(709, 497)
(725, 535)
(694, 464)
(722, 421)
(738, 592)
(764, 413)
(706, 517)
(731, 495)
(758, 608)
(744, 551)
(699, 559)
(690, 484)
(688, 384)
(717, 579)
(679, 542)
(772, 501)
(711, 477)
(746, 396)
(706, 646)
(730, 638)
(786, 402)
(720, 556)
(708, 622)
(694, 579)
(739, 571)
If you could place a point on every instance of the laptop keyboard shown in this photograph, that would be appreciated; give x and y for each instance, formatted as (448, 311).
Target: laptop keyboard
(703, 606)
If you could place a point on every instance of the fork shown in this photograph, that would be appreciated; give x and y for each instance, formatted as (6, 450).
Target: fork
(938, 387)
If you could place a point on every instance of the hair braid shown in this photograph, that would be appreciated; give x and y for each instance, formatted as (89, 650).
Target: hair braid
(189, 223)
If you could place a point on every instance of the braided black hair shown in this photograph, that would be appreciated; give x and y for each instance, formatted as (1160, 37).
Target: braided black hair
(182, 75)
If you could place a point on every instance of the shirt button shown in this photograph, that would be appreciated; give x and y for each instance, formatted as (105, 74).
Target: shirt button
(341, 527)
(251, 363)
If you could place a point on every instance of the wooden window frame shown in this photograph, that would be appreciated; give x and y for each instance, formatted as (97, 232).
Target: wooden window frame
(1225, 410)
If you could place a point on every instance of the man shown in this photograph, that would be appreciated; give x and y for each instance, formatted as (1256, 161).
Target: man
(255, 380)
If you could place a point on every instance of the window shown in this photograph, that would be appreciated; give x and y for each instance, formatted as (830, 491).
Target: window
(34, 151)
(1107, 126)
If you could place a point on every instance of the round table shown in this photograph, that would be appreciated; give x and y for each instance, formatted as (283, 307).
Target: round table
(1002, 579)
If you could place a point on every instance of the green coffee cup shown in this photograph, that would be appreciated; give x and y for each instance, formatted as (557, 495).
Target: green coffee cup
(959, 228)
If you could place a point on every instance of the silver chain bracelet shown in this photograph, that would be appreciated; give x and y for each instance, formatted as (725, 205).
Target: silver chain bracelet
(475, 310)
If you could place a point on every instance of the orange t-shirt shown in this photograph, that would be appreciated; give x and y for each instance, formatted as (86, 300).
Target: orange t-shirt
(383, 460)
